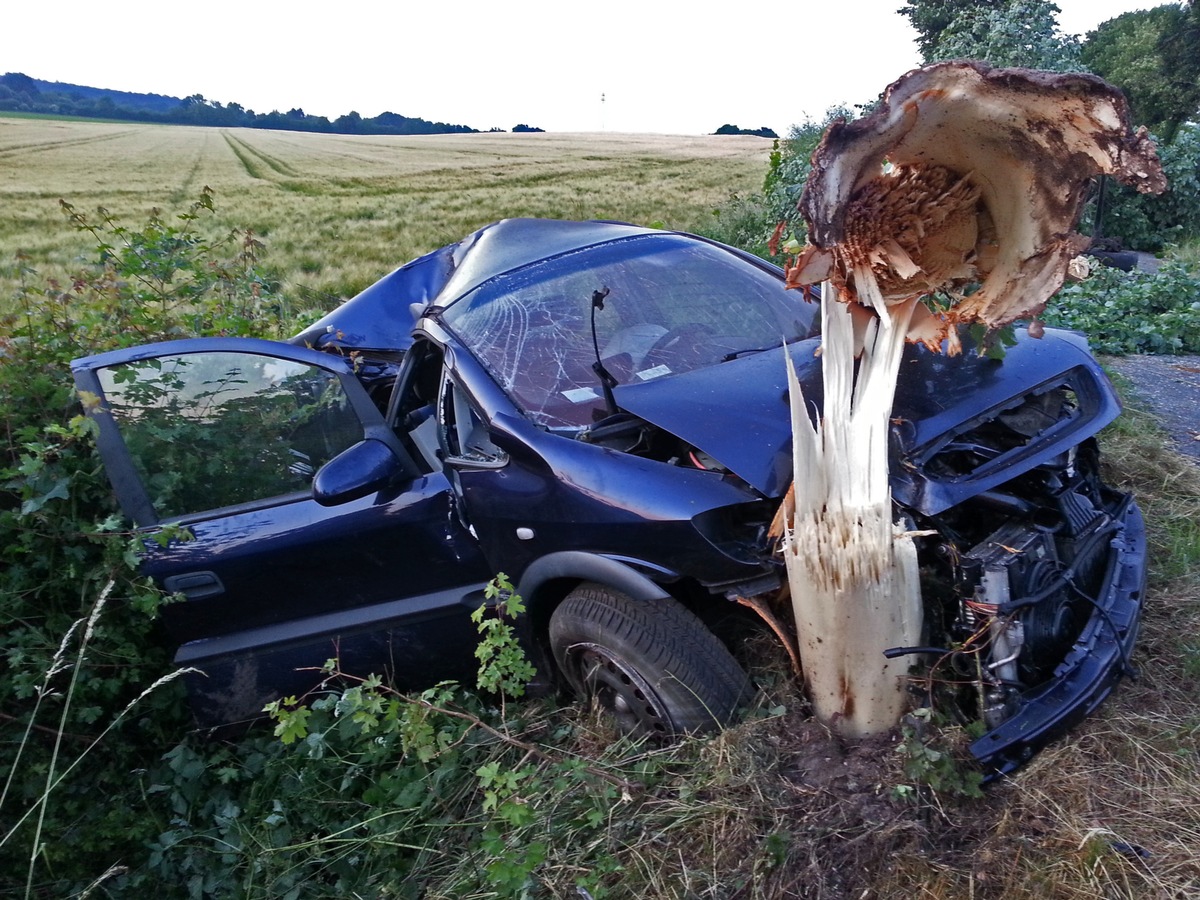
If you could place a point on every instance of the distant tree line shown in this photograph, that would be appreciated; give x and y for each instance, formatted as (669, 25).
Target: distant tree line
(756, 132)
(20, 93)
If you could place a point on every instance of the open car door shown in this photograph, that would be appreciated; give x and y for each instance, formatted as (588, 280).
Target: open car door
(307, 531)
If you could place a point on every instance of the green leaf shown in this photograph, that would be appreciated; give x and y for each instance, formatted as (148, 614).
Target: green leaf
(59, 490)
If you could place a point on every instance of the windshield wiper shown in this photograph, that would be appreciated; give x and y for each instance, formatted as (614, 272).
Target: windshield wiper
(607, 382)
(736, 353)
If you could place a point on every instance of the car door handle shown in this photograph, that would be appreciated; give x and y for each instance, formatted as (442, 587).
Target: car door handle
(195, 585)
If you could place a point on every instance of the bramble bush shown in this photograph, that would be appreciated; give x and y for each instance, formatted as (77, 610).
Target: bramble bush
(78, 624)
(364, 791)
(1132, 312)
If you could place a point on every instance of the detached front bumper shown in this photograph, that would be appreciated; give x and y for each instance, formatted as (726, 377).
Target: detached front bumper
(1092, 667)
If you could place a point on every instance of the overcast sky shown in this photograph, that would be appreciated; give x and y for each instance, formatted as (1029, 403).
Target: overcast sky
(664, 66)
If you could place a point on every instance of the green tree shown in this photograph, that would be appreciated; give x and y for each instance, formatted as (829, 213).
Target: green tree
(350, 123)
(1016, 33)
(931, 17)
(1153, 55)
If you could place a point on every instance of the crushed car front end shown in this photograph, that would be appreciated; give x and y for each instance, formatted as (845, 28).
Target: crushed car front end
(1034, 579)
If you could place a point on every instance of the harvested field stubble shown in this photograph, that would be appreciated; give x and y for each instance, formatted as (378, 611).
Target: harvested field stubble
(340, 211)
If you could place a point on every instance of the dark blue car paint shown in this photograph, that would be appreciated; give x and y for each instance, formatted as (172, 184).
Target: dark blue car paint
(587, 498)
(406, 639)
(929, 412)
(381, 317)
(736, 412)
(389, 577)
(324, 572)
(293, 564)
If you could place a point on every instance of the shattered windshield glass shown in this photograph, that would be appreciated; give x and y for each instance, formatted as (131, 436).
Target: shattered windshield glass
(672, 305)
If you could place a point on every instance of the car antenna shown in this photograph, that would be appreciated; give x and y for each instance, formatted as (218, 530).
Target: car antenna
(607, 382)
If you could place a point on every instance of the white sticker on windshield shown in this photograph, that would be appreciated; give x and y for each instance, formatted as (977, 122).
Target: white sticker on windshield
(581, 395)
(656, 372)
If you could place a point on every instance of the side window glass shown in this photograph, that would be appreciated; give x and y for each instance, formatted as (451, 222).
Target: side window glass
(464, 436)
(209, 430)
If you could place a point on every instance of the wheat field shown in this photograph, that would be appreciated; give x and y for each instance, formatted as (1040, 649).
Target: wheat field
(339, 211)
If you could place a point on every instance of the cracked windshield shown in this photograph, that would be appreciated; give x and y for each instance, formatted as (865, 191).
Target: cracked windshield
(661, 306)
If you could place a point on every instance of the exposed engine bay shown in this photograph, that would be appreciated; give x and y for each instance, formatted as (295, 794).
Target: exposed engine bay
(1020, 579)
(1022, 593)
(1011, 577)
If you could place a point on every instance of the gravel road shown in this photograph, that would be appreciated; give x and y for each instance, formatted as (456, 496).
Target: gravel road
(1169, 386)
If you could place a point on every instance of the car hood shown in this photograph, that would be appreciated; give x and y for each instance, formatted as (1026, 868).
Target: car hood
(738, 412)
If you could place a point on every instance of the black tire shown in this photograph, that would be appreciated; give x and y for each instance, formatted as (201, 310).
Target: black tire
(651, 663)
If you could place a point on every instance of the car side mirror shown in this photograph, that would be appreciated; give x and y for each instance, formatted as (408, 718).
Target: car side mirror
(366, 467)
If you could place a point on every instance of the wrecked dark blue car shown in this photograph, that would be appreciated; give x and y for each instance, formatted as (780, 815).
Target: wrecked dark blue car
(600, 411)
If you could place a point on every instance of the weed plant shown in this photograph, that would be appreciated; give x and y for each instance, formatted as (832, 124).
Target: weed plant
(1187, 254)
(76, 667)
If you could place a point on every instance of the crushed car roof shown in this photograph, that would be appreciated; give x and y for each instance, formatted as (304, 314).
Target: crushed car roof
(382, 316)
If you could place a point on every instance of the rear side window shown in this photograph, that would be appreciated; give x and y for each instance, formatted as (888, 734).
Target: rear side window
(210, 430)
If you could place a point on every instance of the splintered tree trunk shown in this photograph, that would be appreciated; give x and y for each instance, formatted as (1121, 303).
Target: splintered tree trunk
(852, 569)
(965, 182)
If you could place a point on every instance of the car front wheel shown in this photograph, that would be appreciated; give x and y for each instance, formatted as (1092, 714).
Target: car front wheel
(651, 663)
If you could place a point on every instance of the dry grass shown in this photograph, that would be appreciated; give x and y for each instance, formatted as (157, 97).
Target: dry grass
(1113, 809)
(339, 211)
(1187, 253)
